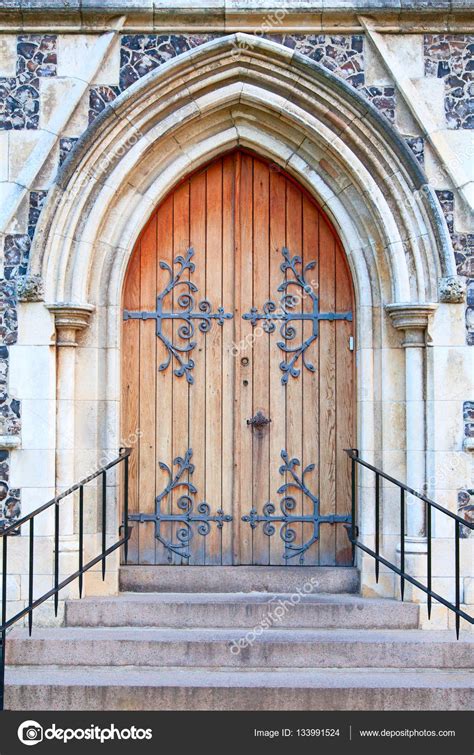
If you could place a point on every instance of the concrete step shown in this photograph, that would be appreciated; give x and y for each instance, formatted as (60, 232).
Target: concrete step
(285, 648)
(238, 579)
(148, 688)
(243, 610)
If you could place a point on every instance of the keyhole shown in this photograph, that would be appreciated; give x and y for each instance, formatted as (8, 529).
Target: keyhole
(246, 382)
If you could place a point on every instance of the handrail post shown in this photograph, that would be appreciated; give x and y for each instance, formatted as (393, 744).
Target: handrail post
(104, 519)
(125, 506)
(377, 525)
(4, 618)
(457, 534)
(353, 505)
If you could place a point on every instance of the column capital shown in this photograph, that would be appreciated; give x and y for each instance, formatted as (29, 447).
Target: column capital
(413, 319)
(68, 319)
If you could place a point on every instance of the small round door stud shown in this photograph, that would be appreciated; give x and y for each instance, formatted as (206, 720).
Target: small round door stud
(244, 361)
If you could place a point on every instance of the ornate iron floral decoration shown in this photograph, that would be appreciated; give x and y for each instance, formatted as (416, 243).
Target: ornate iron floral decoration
(288, 505)
(187, 314)
(187, 515)
(286, 314)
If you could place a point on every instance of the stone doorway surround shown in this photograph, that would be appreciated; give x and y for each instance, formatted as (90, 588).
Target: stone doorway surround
(244, 91)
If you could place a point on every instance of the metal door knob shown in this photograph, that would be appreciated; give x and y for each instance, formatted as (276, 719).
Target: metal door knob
(259, 420)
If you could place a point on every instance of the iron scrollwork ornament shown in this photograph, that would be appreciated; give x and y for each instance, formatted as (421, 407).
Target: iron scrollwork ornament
(187, 515)
(294, 290)
(287, 517)
(187, 314)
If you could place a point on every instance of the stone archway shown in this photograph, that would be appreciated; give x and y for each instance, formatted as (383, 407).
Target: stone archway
(294, 113)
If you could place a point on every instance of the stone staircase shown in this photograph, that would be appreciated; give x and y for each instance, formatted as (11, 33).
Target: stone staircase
(189, 640)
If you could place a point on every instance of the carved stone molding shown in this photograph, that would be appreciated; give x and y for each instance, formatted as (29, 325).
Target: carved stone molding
(30, 288)
(452, 290)
(413, 319)
(68, 319)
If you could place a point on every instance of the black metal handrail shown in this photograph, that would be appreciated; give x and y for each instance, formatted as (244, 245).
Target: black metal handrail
(14, 529)
(353, 533)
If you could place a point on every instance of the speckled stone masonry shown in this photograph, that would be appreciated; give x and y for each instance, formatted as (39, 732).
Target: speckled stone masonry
(463, 246)
(450, 57)
(19, 95)
(343, 55)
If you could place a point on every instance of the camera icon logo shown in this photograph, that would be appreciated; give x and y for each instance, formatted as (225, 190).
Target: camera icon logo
(30, 733)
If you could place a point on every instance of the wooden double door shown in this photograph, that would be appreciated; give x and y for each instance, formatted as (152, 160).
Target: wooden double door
(238, 374)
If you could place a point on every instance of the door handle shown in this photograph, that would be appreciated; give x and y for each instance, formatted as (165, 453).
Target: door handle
(258, 420)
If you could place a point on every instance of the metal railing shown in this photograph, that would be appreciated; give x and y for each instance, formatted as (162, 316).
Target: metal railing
(353, 533)
(13, 530)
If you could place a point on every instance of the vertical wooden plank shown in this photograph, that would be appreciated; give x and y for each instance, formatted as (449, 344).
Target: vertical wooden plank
(130, 389)
(147, 390)
(197, 392)
(214, 357)
(243, 370)
(344, 403)
(164, 378)
(277, 390)
(311, 379)
(228, 358)
(260, 377)
(327, 405)
(180, 384)
(294, 388)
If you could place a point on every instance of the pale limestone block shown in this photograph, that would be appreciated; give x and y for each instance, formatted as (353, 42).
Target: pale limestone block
(32, 371)
(109, 71)
(4, 141)
(94, 585)
(42, 583)
(453, 370)
(408, 49)
(465, 627)
(436, 171)
(469, 590)
(376, 72)
(442, 550)
(55, 97)
(32, 468)
(44, 554)
(461, 163)
(19, 221)
(18, 554)
(431, 92)
(22, 144)
(466, 560)
(33, 498)
(385, 587)
(86, 424)
(8, 56)
(13, 591)
(44, 615)
(463, 216)
(393, 419)
(447, 419)
(404, 120)
(438, 619)
(79, 120)
(447, 326)
(35, 324)
(445, 586)
(87, 363)
(452, 470)
(38, 418)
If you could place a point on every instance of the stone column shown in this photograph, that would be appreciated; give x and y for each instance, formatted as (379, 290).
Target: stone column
(69, 320)
(413, 319)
